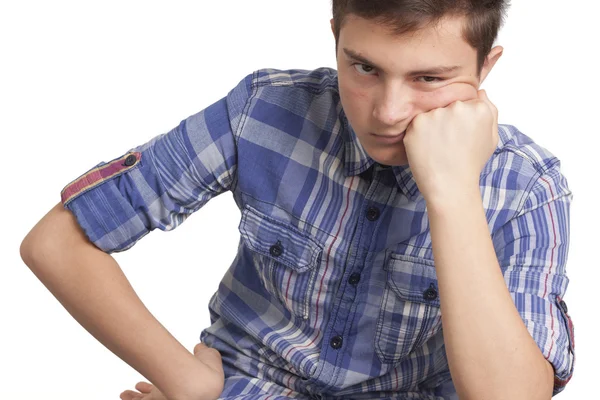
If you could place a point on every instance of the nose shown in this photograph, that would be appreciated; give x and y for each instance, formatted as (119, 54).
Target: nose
(394, 106)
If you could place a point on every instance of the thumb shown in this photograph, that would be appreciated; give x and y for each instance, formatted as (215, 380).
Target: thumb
(482, 95)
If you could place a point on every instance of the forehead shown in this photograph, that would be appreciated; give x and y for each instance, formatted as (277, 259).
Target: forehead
(442, 42)
(446, 26)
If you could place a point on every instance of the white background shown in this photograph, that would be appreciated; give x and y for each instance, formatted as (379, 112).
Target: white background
(83, 82)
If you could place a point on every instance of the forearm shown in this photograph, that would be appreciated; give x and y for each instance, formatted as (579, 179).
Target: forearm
(91, 286)
(490, 352)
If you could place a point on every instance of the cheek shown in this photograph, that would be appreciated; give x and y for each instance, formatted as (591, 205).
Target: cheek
(352, 90)
(446, 95)
(355, 100)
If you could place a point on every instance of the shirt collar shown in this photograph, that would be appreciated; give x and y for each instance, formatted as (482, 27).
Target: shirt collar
(357, 161)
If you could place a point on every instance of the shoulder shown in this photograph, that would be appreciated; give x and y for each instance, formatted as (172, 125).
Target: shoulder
(293, 94)
(521, 158)
(317, 80)
(523, 148)
(521, 174)
(296, 102)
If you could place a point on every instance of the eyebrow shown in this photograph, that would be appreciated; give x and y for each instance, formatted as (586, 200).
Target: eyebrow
(442, 69)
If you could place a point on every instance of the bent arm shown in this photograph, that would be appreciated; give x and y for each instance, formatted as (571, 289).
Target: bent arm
(93, 289)
(487, 343)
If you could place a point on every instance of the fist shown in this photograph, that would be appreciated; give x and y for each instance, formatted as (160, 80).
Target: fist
(448, 147)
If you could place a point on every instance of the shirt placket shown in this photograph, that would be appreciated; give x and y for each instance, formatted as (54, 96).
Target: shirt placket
(337, 345)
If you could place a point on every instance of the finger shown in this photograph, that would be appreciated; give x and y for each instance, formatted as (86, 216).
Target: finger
(482, 95)
(210, 357)
(144, 387)
(154, 395)
(130, 395)
(199, 348)
(460, 92)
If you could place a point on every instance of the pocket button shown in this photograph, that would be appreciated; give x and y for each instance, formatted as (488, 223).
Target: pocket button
(430, 294)
(276, 250)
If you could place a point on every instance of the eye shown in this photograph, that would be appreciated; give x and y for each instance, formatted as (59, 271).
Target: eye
(429, 79)
(364, 69)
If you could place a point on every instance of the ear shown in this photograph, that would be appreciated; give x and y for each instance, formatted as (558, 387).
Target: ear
(332, 26)
(490, 61)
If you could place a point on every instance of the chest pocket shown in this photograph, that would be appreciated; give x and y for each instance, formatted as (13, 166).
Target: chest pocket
(410, 309)
(284, 257)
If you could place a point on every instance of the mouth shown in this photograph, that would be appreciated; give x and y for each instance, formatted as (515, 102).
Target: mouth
(389, 139)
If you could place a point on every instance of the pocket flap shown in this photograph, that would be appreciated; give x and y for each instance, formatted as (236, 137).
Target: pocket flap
(413, 279)
(278, 241)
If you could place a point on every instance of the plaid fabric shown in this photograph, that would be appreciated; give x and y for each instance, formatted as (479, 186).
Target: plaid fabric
(333, 293)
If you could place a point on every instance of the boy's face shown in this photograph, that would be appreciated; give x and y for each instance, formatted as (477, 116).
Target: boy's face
(386, 80)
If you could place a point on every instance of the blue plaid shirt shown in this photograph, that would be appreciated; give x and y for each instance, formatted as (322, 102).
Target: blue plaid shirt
(333, 292)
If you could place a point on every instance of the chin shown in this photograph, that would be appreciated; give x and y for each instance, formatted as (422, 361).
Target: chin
(395, 158)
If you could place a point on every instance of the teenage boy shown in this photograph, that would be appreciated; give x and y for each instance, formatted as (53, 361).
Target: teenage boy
(395, 241)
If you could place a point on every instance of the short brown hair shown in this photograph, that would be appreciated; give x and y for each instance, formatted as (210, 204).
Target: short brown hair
(483, 17)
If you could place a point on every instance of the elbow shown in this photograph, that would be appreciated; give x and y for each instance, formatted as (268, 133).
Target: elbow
(32, 250)
(535, 384)
(27, 250)
(47, 237)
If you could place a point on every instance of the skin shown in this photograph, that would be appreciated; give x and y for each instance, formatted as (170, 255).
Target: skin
(385, 100)
(92, 287)
(209, 357)
(450, 130)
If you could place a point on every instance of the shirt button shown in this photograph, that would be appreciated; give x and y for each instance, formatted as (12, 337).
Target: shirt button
(276, 250)
(430, 294)
(336, 342)
(130, 160)
(373, 213)
(354, 279)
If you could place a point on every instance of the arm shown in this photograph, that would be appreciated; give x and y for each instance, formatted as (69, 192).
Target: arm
(490, 352)
(94, 290)
(112, 206)
(490, 343)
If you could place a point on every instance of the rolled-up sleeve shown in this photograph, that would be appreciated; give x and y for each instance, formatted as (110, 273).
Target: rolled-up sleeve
(160, 183)
(532, 250)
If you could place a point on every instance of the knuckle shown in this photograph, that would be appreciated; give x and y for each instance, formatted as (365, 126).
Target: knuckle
(483, 109)
(458, 105)
(199, 347)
